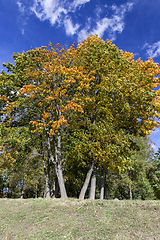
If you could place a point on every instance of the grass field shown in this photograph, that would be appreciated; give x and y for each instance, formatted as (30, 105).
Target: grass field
(79, 219)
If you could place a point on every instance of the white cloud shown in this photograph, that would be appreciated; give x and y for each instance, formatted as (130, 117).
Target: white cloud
(152, 50)
(48, 10)
(98, 10)
(114, 23)
(23, 31)
(77, 3)
(21, 7)
(60, 12)
(70, 28)
(83, 33)
(123, 8)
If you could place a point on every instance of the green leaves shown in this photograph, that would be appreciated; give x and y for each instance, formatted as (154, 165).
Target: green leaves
(97, 96)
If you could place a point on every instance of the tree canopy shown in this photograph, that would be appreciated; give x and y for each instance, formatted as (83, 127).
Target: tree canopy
(83, 105)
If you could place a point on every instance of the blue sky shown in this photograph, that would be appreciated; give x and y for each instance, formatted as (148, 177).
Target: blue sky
(132, 25)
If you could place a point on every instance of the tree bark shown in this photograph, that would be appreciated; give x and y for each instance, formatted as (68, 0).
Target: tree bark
(55, 188)
(102, 184)
(87, 180)
(36, 195)
(93, 184)
(22, 194)
(58, 157)
(57, 162)
(22, 191)
(105, 185)
(130, 192)
(46, 173)
(130, 184)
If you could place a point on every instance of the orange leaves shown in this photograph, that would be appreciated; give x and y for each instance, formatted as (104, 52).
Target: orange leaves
(50, 98)
(46, 115)
(4, 98)
(80, 68)
(40, 104)
(31, 96)
(56, 125)
(72, 106)
(28, 89)
(96, 76)
(127, 55)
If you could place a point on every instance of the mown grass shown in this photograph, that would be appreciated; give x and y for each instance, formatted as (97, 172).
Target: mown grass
(79, 219)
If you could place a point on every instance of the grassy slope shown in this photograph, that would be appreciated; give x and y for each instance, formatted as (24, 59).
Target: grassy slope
(75, 219)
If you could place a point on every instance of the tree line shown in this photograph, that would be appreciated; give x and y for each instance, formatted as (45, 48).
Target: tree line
(73, 121)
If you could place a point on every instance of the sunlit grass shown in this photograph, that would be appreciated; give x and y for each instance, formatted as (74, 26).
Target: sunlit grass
(75, 219)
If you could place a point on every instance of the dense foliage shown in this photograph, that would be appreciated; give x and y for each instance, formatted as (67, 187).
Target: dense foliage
(78, 115)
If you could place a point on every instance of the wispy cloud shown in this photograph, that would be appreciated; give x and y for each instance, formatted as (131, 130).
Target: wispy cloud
(21, 19)
(48, 10)
(71, 29)
(114, 23)
(152, 50)
(78, 3)
(21, 7)
(23, 31)
(60, 12)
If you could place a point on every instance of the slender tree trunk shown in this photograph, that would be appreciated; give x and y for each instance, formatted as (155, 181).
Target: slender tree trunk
(93, 184)
(105, 185)
(102, 184)
(11, 192)
(22, 191)
(58, 157)
(46, 173)
(130, 184)
(3, 192)
(130, 192)
(47, 189)
(86, 183)
(36, 195)
(55, 188)
(22, 194)
(57, 162)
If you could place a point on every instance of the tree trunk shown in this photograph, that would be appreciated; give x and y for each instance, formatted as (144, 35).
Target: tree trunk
(58, 157)
(86, 183)
(22, 191)
(130, 192)
(22, 194)
(57, 162)
(130, 184)
(102, 184)
(36, 195)
(46, 173)
(47, 189)
(93, 184)
(105, 185)
(55, 188)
